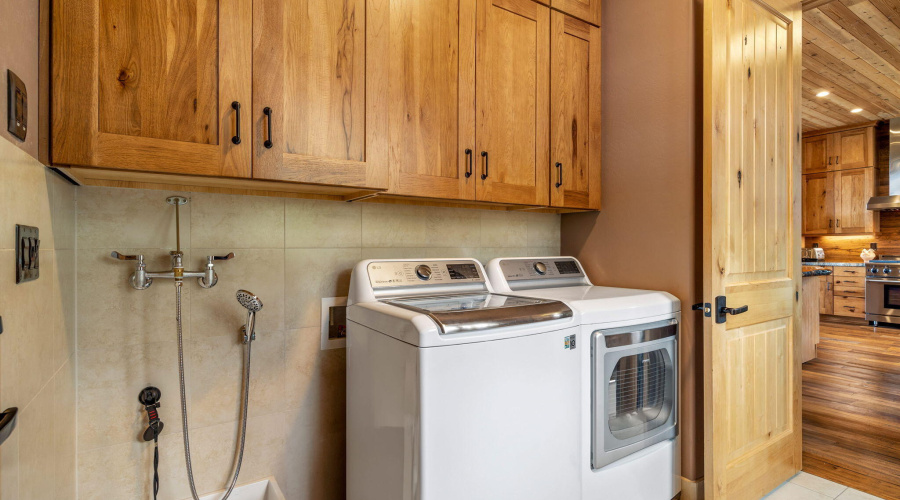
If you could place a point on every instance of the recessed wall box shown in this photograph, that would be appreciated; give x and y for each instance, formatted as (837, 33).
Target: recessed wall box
(28, 245)
(17, 105)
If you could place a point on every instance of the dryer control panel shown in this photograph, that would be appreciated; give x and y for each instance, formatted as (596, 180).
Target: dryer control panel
(536, 269)
(416, 273)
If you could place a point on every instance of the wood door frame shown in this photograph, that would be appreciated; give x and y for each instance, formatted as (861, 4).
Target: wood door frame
(716, 98)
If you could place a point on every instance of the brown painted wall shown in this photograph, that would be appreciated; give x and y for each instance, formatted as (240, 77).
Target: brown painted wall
(648, 234)
(19, 52)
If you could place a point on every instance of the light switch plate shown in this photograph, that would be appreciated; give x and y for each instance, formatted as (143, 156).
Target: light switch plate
(28, 246)
(334, 323)
(17, 105)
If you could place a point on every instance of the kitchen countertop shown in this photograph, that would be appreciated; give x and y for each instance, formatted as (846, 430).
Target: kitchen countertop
(816, 272)
(835, 264)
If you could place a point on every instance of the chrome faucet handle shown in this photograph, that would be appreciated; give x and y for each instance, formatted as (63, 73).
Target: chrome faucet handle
(210, 278)
(121, 256)
(229, 256)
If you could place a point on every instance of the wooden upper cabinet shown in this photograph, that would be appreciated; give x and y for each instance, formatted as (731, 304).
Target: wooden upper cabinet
(854, 148)
(320, 67)
(818, 203)
(816, 153)
(574, 113)
(431, 56)
(149, 85)
(852, 189)
(512, 113)
(586, 10)
(843, 149)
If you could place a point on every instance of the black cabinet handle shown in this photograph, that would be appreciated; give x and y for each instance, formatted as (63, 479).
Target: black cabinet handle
(268, 142)
(469, 163)
(236, 106)
(484, 175)
(837, 160)
(559, 169)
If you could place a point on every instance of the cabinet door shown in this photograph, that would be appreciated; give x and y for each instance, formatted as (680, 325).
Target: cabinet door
(586, 10)
(320, 68)
(512, 114)
(574, 113)
(854, 148)
(432, 98)
(817, 154)
(818, 203)
(150, 85)
(826, 295)
(852, 189)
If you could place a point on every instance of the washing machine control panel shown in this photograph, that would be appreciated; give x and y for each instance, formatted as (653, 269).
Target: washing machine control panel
(416, 273)
(533, 269)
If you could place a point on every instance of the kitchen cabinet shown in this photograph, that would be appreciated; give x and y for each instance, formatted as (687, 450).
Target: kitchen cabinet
(512, 118)
(840, 149)
(152, 86)
(826, 295)
(844, 292)
(835, 202)
(320, 91)
(585, 10)
(574, 113)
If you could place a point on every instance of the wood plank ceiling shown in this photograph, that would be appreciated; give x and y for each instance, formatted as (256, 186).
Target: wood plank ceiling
(851, 48)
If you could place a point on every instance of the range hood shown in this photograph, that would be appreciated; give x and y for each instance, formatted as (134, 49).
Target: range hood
(891, 202)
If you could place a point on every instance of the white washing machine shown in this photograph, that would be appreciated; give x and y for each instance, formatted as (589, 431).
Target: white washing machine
(628, 345)
(455, 392)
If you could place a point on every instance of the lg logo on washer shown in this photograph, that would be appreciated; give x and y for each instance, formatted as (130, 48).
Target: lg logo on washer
(570, 342)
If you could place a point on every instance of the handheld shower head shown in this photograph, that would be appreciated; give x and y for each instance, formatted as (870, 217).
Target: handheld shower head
(253, 305)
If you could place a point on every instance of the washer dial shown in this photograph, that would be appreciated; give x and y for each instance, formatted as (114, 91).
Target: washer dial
(423, 272)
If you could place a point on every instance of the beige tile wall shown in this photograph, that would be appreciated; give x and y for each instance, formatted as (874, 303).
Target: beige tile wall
(289, 252)
(37, 347)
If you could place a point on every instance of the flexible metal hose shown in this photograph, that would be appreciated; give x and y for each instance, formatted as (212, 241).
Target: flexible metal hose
(184, 415)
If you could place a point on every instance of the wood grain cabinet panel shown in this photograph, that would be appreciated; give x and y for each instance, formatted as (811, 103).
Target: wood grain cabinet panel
(574, 113)
(586, 10)
(513, 112)
(816, 153)
(818, 203)
(826, 295)
(320, 68)
(852, 189)
(854, 148)
(431, 57)
(149, 85)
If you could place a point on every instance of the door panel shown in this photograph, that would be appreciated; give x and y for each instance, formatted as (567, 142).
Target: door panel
(752, 205)
(852, 149)
(818, 203)
(826, 295)
(586, 10)
(512, 114)
(817, 154)
(432, 96)
(574, 113)
(320, 66)
(150, 85)
(852, 189)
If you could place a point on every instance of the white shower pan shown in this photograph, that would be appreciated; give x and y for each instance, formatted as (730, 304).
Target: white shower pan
(266, 489)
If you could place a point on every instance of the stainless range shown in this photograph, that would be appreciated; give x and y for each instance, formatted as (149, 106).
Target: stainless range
(883, 292)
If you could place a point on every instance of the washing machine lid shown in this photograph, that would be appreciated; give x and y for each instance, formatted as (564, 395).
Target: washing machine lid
(602, 304)
(480, 311)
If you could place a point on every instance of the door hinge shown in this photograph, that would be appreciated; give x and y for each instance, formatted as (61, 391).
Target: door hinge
(706, 307)
(722, 310)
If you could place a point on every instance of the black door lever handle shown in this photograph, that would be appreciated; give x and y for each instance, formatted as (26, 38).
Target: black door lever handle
(723, 310)
(734, 311)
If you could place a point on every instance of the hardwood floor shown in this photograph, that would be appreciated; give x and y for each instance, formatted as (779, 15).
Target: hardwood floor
(851, 408)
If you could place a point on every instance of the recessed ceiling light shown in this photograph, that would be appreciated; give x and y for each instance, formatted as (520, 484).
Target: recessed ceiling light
(856, 110)
(823, 93)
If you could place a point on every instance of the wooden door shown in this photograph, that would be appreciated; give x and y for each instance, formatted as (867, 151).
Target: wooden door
(431, 56)
(817, 153)
(752, 211)
(150, 85)
(574, 113)
(818, 203)
(854, 148)
(826, 295)
(512, 107)
(586, 10)
(852, 189)
(321, 68)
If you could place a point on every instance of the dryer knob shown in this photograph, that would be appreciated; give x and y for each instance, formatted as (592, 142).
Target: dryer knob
(540, 268)
(423, 272)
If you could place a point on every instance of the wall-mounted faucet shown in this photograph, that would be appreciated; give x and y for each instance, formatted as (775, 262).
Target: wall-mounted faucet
(142, 279)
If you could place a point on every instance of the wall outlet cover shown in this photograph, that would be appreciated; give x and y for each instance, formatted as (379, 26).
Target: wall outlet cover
(331, 337)
(17, 105)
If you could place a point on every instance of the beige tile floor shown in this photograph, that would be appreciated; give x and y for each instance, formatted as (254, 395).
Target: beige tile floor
(805, 486)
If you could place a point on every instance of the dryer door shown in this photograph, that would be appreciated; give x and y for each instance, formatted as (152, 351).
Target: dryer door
(634, 383)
